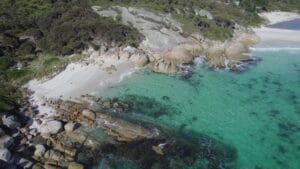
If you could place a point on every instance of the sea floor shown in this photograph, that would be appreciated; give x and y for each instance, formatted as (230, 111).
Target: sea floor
(255, 112)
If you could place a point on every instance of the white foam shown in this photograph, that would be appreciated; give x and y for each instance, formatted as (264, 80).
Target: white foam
(274, 48)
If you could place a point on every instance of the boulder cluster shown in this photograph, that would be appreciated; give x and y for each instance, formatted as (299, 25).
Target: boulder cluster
(40, 141)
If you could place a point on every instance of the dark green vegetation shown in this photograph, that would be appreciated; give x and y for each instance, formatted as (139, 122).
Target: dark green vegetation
(29, 29)
(225, 14)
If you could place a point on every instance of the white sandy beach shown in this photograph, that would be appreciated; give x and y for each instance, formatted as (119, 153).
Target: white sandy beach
(278, 38)
(85, 77)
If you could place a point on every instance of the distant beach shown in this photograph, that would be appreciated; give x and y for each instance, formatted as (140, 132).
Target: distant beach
(274, 36)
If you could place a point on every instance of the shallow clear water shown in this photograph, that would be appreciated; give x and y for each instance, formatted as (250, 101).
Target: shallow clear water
(257, 112)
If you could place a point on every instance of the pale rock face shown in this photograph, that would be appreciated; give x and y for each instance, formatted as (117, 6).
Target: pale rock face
(6, 141)
(88, 114)
(69, 127)
(139, 60)
(204, 13)
(5, 154)
(51, 127)
(166, 45)
(39, 150)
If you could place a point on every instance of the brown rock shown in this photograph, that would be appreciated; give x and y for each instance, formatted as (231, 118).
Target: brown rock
(74, 165)
(37, 166)
(88, 114)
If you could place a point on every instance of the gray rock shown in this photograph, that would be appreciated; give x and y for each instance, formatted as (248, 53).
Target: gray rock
(69, 127)
(39, 150)
(51, 127)
(33, 131)
(204, 13)
(2, 133)
(24, 163)
(89, 114)
(6, 141)
(5, 154)
(11, 166)
(10, 121)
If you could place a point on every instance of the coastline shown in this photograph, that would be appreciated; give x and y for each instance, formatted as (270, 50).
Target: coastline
(101, 70)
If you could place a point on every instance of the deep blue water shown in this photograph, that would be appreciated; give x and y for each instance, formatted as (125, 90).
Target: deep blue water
(292, 25)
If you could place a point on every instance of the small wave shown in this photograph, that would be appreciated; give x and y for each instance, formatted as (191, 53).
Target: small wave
(199, 60)
(274, 49)
(124, 75)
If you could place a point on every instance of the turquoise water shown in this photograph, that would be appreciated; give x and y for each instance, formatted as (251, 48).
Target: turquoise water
(257, 112)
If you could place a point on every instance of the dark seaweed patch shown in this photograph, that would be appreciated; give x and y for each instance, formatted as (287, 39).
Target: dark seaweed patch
(253, 114)
(287, 130)
(274, 113)
(281, 149)
(148, 106)
(277, 83)
(166, 98)
(182, 126)
(194, 118)
(288, 126)
(257, 167)
(263, 139)
(181, 147)
(266, 79)
(262, 91)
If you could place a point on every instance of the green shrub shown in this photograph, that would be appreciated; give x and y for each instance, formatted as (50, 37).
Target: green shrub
(26, 48)
(50, 61)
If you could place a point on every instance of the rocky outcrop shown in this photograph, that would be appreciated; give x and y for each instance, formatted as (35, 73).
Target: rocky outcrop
(166, 46)
(120, 129)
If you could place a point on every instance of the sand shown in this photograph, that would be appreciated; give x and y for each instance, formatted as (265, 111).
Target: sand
(276, 17)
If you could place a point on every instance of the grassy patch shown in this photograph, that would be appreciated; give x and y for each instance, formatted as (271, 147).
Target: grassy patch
(50, 61)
